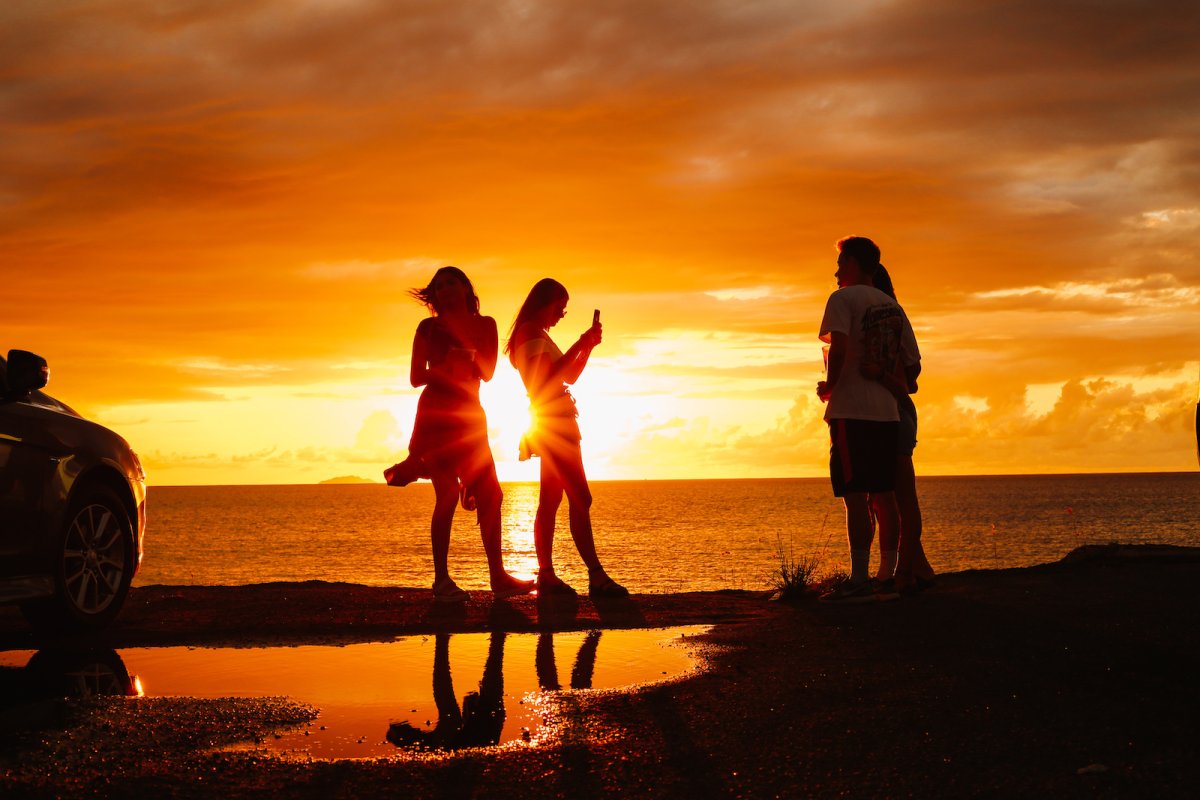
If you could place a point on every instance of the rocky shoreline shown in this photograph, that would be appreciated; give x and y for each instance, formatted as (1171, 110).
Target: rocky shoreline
(1071, 679)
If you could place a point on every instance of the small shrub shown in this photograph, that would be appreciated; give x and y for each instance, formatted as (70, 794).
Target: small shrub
(793, 576)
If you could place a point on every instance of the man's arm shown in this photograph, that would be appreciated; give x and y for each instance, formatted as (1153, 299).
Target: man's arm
(838, 344)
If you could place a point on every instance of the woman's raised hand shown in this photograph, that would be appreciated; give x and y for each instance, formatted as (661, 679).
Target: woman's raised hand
(592, 336)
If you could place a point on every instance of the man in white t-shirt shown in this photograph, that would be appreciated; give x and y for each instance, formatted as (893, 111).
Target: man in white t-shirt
(868, 336)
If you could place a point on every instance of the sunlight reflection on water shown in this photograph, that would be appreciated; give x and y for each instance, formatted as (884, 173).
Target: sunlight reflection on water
(439, 692)
(653, 536)
(519, 508)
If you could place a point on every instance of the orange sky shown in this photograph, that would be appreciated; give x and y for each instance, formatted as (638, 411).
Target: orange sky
(210, 213)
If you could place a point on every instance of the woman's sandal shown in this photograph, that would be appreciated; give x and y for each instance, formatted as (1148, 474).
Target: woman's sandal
(607, 588)
(514, 587)
(555, 588)
(447, 591)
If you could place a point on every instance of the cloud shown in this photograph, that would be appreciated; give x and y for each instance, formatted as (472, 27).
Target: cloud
(381, 436)
(1162, 292)
(208, 199)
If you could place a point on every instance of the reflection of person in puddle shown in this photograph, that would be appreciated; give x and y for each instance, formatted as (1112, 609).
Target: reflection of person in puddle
(481, 719)
(581, 673)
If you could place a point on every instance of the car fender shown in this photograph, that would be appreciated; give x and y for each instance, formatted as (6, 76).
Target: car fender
(76, 473)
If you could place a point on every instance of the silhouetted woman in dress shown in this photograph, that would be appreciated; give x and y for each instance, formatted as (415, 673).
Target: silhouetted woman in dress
(554, 436)
(453, 350)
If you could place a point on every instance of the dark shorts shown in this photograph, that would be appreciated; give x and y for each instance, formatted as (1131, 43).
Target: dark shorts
(862, 456)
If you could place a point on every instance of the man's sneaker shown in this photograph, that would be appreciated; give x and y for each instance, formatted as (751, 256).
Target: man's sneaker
(847, 593)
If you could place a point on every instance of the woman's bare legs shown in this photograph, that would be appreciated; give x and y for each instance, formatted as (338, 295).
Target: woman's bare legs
(550, 494)
(563, 472)
(445, 488)
(890, 524)
(488, 496)
(579, 506)
(912, 562)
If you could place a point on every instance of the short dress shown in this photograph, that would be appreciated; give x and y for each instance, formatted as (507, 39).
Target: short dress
(450, 429)
(553, 416)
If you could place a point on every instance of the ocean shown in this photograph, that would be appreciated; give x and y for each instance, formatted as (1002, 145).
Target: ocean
(653, 536)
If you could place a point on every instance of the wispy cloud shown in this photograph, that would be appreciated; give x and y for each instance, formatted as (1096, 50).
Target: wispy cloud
(200, 197)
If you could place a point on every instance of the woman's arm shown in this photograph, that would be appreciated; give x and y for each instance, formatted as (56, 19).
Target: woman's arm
(570, 366)
(487, 348)
(418, 368)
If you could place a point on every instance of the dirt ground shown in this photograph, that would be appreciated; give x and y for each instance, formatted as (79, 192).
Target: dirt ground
(1075, 679)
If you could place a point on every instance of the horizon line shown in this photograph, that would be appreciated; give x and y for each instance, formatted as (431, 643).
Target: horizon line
(703, 480)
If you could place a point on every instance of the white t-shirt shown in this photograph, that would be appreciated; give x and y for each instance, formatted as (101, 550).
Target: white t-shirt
(877, 332)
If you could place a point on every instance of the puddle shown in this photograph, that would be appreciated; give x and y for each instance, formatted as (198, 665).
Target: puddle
(430, 693)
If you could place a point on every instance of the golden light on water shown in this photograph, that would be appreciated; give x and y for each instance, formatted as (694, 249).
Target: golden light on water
(520, 507)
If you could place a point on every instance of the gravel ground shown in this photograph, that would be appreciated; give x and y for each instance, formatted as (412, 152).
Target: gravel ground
(1075, 679)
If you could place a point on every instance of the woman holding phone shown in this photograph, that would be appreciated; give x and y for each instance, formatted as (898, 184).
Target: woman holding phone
(453, 350)
(554, 437)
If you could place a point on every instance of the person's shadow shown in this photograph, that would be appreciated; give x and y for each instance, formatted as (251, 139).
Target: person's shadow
(480, 721)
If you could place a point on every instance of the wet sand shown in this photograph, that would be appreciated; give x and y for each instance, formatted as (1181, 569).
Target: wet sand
(1074, 679)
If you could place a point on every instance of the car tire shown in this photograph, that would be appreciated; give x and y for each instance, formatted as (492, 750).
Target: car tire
(93, 564)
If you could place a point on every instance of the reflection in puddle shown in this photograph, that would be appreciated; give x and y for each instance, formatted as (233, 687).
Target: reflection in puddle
(383, 698)
(27, 678)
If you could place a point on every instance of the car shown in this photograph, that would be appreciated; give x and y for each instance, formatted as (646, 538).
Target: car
(72, 506)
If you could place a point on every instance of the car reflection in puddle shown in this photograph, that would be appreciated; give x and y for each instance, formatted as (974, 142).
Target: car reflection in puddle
(33, 686)
(375, 698)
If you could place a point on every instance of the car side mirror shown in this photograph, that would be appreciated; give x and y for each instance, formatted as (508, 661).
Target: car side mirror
(26, 372)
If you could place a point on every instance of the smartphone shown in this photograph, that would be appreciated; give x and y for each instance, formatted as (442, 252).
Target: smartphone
(595, 316)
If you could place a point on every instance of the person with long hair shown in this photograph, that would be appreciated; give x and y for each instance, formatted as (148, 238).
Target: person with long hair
(453, 350)
(554, 436)
(902, 557)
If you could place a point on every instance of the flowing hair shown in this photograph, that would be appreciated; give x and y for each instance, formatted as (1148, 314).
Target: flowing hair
(426, 295)
(543, 293)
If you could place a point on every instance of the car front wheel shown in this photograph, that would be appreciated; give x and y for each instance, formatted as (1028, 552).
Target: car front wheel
(93, 565)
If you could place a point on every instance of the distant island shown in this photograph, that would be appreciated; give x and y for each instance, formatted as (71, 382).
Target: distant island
(348, 479)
